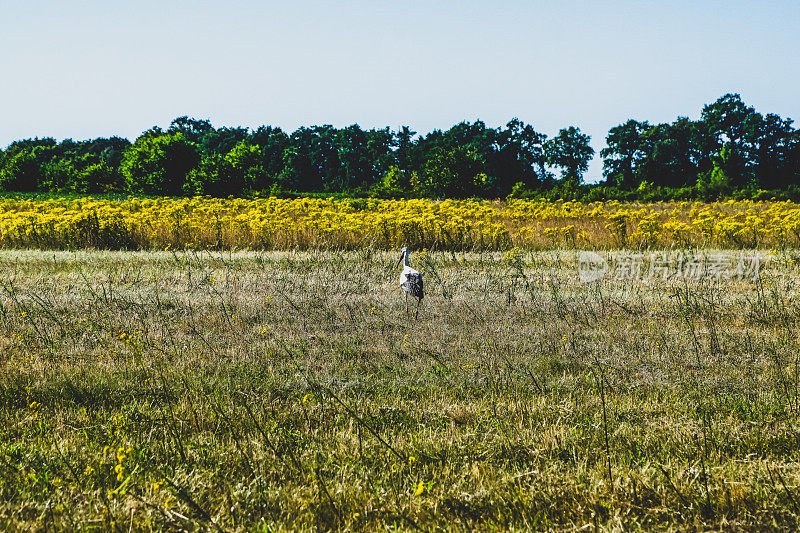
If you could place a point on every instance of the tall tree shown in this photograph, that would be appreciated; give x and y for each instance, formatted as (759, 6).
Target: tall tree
(673, 154)
(449, 173)
(625, 148)
(381, 151)
(356, 170)
(304, 159)
(220, 141)
(158, 163)
(239, 171)
(730, 124)
(272, 142)
(771, 140)
(726, 119)
(405, 148)
(192, 129)
(569, 150)
(23, 162)
(518, 157)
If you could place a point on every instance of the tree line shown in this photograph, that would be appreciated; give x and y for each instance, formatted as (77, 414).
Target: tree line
(731, 150)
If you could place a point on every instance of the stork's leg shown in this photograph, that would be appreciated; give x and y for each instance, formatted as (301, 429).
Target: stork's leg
(419, 302)
(406, 303)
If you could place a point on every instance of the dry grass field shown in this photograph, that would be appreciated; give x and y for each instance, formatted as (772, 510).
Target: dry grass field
(272, 391)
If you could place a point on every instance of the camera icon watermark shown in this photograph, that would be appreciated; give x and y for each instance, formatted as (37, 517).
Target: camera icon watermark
(591, 266)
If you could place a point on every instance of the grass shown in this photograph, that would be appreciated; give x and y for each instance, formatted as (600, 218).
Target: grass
(271, 391)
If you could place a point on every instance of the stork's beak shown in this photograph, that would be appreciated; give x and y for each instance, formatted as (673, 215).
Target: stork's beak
(401, 258)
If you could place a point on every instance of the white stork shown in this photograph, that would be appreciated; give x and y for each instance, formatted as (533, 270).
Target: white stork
(410, 281)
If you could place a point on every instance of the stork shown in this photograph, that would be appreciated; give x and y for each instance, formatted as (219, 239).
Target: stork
(410, 281)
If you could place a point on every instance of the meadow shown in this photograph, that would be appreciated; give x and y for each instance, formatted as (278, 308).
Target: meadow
(269, 390)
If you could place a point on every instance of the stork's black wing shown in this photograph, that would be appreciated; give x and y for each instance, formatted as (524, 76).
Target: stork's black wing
(413, 285)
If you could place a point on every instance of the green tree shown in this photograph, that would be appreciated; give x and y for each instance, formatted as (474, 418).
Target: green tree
(517, 157)
(450, 173)
(624, 150)
(673, 154)
(405, 148)
(716, 182)
(300, 166)
(356, 170)
(272, 142)
(193, 130)
(235, 173)
(98, 177)
(396, 183)
(726, 119)
(731, 123)
(380, 152)
(20, 172)
(221, 141)
(158, 163)
(569, 150)
(771, 141)
(59, 174)
(23, 164)
(246, 169)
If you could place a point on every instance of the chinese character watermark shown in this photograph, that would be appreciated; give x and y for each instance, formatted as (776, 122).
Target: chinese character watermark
(627, 266)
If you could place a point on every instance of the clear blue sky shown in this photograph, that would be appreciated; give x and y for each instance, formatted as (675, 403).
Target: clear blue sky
(85, 69)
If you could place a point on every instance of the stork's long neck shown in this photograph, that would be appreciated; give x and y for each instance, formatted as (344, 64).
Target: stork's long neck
(405, 259)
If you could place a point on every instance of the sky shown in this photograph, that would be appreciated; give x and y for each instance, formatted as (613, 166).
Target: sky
(87, 69)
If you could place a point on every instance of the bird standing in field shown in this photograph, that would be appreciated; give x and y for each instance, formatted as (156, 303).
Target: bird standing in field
(410, 281)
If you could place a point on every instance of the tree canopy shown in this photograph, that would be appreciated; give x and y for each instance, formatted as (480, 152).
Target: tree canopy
(730, 148)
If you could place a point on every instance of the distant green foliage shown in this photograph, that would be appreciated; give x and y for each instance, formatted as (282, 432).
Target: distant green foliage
(42, 165)
(240, 170)
(449, 173)
(158, 163)
(570, 150)
(732, 150)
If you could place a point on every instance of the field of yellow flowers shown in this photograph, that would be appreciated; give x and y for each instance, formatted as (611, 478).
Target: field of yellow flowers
(307, 223)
